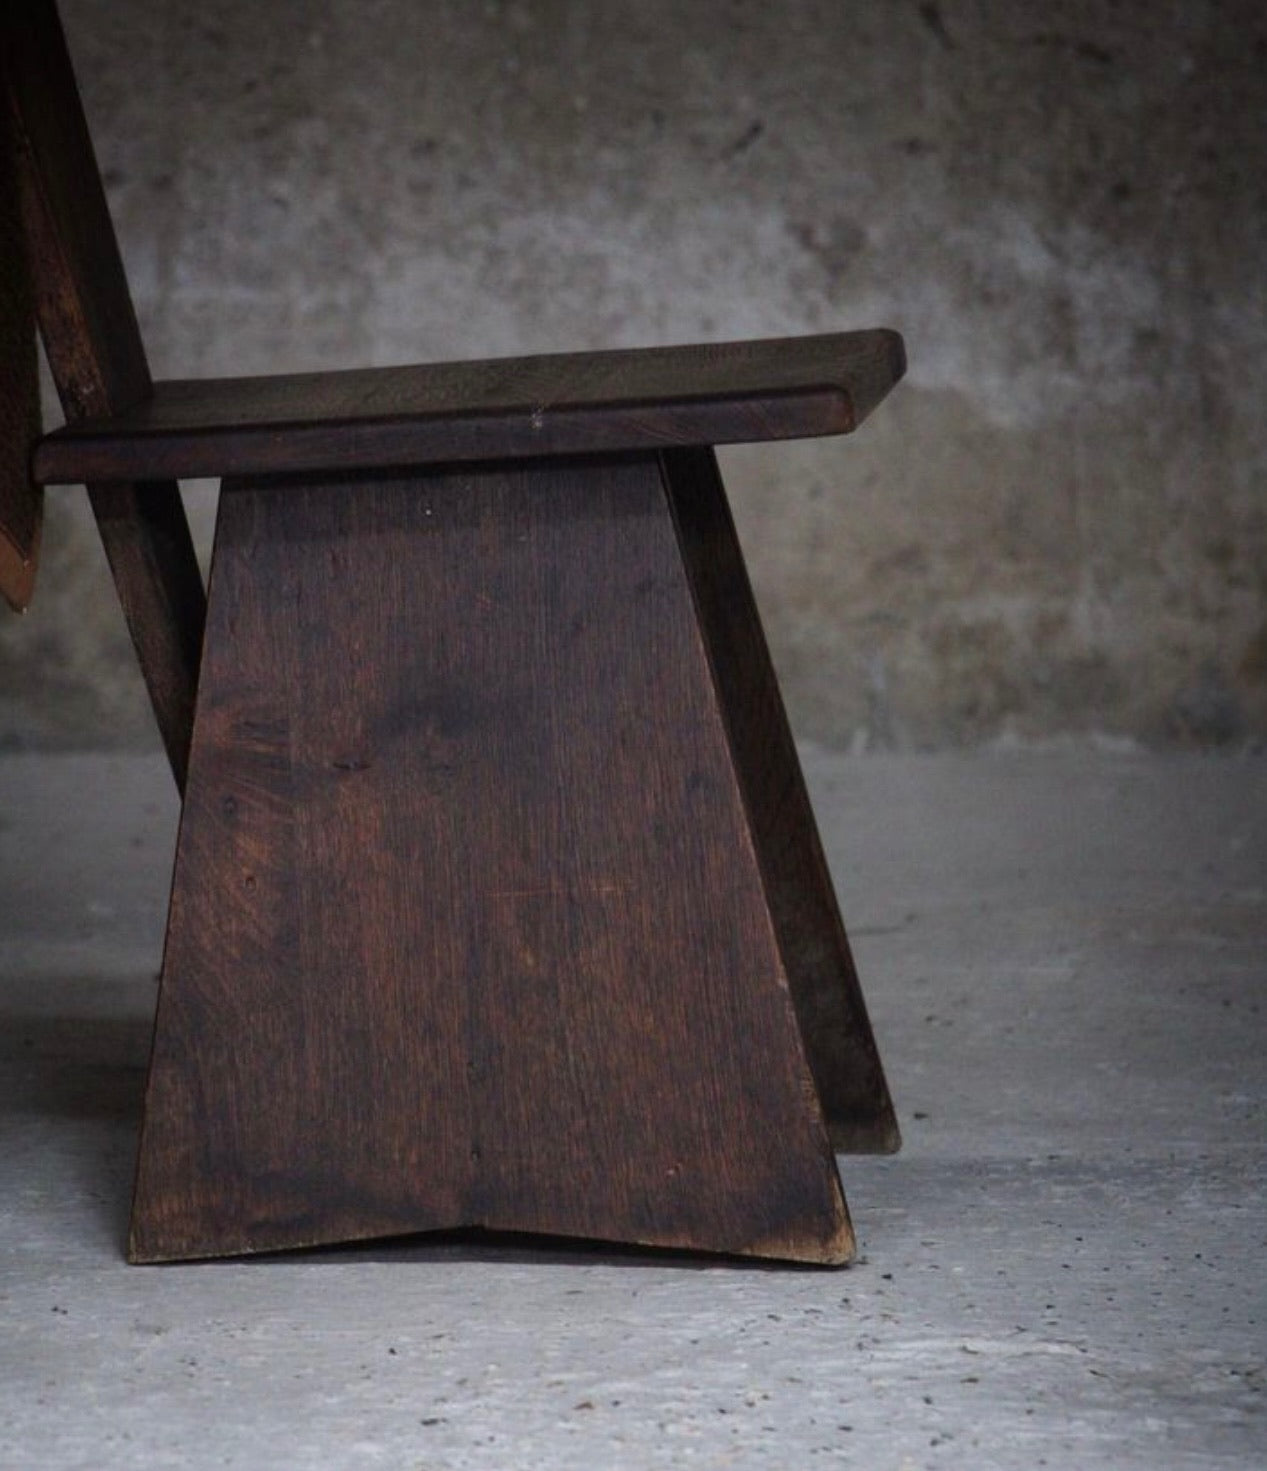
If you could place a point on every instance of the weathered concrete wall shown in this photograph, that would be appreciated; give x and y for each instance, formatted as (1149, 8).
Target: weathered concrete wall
(1057, 525)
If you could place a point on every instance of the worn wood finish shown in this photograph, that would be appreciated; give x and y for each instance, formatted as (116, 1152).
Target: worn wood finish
(498, 900)
(502, 409)
(835, 1027)
(94, 350)
(468, 925)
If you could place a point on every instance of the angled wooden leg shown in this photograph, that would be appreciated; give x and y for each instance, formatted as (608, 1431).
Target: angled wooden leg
(469, 925)
(96, 355)
(829, 1003)
(151, 555)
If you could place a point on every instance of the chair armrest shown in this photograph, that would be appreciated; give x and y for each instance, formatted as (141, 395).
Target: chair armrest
(510, 408)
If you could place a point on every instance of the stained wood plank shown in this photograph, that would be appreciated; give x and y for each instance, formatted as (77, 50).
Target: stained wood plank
(97, 359)
(467, 924)
(835, 1027)
(489, 410)
(151, 555)
(21, 501)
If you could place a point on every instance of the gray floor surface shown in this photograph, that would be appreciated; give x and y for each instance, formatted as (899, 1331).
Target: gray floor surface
(1065, 955)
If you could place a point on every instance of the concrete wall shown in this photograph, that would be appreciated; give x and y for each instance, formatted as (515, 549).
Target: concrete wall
(1056, 525)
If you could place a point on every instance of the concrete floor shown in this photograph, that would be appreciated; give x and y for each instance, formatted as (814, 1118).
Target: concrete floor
(1064, 953)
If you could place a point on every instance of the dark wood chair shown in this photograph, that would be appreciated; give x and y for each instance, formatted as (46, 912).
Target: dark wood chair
(498, 899)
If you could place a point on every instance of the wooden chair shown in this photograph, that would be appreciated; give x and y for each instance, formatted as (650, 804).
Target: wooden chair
(498, 900)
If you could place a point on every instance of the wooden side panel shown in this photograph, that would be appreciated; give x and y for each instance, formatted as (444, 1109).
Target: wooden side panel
(94, 350)
(829, 1002)
(468, 928)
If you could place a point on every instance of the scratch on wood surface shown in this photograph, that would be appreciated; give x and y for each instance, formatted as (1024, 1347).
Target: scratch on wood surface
(558, 891)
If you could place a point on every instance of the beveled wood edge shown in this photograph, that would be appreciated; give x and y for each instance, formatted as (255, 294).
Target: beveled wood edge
(193, 429)
(74, 455)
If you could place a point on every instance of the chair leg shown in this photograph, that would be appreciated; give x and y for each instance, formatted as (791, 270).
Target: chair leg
(835, 1027)
(470, 922)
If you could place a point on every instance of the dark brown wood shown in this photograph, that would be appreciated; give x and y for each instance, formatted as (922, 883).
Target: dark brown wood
(94, 350)
(151, 554)
(468, 925)
(835, 1027)
(512, 408)
(21, 501)
(498, 899)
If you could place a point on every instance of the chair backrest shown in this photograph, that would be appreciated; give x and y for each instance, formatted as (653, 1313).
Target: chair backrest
(21, 503)
(60, 262)
(93, 344)
(81, 294)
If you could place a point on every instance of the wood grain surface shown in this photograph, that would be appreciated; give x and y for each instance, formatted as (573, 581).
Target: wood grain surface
(501, 409)
(468, 926)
